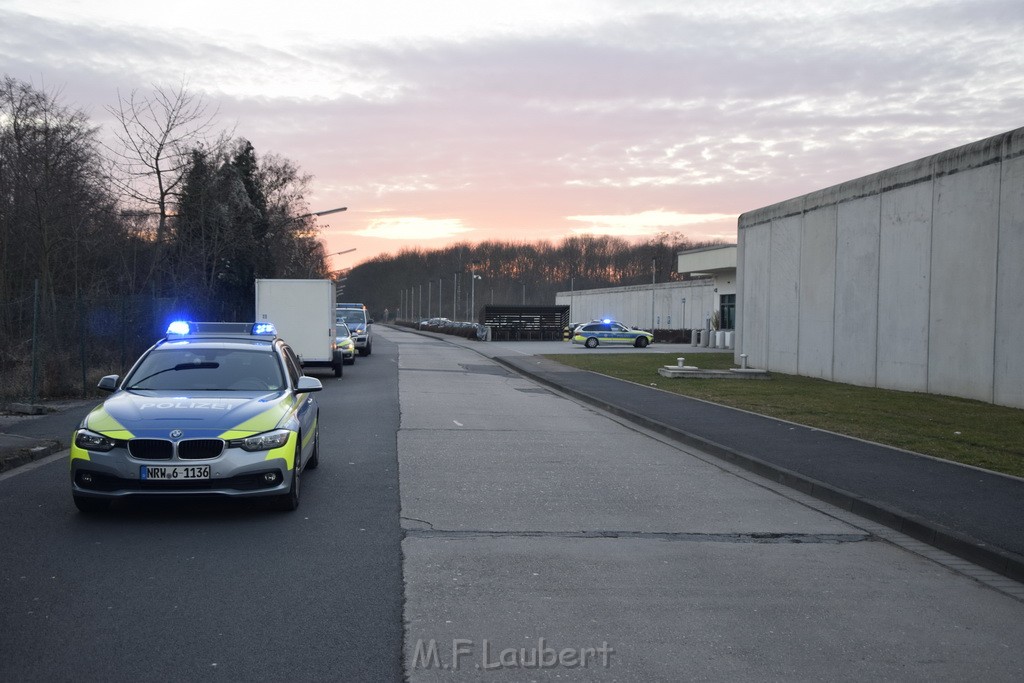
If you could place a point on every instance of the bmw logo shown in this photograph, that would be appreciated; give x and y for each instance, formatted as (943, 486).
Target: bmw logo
(176, 434)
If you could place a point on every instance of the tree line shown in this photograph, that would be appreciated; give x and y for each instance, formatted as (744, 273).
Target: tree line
(102, 237)
(419, 283)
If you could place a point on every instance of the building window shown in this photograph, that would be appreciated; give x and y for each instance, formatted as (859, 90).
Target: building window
(727, 311)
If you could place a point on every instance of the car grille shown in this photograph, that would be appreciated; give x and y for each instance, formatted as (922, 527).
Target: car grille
(200, 449)
(162, 449)
(151, 449)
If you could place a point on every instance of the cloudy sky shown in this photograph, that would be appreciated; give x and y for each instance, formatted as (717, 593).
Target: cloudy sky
(465, 120)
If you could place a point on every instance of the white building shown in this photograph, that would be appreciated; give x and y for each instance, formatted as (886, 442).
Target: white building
(911, 278)
(667, 305)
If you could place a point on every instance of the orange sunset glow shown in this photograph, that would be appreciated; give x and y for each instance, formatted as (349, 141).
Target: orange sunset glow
(463, 121)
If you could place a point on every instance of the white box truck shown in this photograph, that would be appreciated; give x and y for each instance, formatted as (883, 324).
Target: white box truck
(303, 313)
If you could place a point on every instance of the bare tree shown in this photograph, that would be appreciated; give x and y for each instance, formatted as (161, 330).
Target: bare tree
(155, 135)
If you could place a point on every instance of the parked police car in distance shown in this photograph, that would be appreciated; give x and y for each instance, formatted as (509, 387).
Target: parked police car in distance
(359, 324)
(344, 342)
(213, 409)
(606, 331)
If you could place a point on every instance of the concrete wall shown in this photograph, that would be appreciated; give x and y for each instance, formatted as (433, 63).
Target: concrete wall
(910, 279)
(677, 305)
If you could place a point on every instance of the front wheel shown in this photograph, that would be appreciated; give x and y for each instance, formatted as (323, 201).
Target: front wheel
(290, 501)
(591, 342)
(641, 342)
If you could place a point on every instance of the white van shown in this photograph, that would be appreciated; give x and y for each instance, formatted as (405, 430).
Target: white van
(359, 323)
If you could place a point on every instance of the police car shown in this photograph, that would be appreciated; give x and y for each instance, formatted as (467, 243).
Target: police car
(343, 341)
(607, 331)
(217, 409)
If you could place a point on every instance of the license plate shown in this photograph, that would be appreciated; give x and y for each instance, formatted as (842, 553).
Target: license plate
(174, 473)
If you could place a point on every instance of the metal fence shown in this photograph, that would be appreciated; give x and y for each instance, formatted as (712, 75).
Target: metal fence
(61, 349)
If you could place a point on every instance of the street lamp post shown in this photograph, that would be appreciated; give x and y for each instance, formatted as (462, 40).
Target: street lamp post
(337, 281)
(455, 295)
(325, 212)
(654, 273)
(472, 292)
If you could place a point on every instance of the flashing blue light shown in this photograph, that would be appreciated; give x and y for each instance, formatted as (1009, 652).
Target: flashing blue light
(179, 327)
(264, 328)
(607, 320)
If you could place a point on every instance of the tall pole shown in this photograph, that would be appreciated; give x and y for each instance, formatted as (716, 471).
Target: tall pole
(429, 284)
(439, 313)
(472, 293)
(455, 296)
(654, 272)
(35, 340)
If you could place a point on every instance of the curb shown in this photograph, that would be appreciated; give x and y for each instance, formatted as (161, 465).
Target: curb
(12, 458)
(997, 560)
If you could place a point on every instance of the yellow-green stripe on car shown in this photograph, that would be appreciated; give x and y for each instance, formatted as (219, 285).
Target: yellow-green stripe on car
(285, 452)
(264, 422)
(78, 453)
(312, 432)
(102, 422)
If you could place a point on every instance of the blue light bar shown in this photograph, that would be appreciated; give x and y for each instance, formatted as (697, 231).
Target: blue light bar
(179, 327)
(264, 329)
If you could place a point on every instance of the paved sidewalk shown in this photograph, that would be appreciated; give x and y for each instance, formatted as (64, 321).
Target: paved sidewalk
(968, 512)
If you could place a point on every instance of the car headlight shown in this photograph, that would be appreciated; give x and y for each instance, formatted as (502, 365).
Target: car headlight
(91, 441)
(263, 442)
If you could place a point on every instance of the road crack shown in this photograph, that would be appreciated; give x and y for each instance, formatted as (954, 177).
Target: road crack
(674, 536)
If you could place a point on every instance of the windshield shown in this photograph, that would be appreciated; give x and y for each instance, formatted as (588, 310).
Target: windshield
(208, 370)
(342, 329)
(354, 318)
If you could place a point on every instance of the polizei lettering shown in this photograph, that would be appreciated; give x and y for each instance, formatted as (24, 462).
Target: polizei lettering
(187, 405)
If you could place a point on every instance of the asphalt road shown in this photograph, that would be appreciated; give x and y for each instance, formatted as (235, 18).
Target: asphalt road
(217, 590)
(527, 531)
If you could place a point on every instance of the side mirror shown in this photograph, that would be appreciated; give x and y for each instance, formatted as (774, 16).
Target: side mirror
(371, 322)
(307, 384)
(108, 383)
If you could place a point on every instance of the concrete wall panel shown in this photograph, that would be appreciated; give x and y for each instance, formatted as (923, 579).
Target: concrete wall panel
(1009, 347)
(965, 228)
(903, 286)
(944, 253)
(784, 294)
(756, 268)
(817, 292)
(857, 234)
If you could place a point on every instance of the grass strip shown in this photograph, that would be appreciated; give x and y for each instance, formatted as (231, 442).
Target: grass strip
(957, 429)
